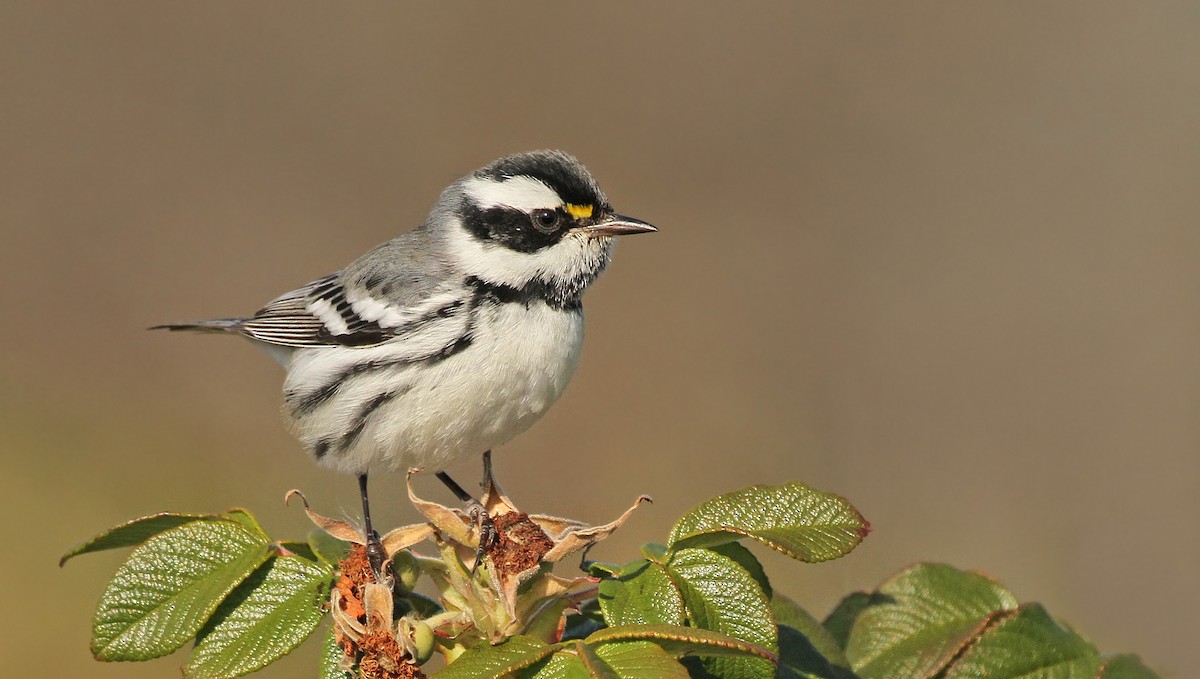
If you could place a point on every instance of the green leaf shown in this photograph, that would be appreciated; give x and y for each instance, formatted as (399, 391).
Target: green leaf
(297, 549)
(133, 533)
(561, 665)
(1029, 645)
(328, 548)
(642, 594)
(592, 664)
(720, 595)
(245, 518)
(589, 619)
(682, 641)
(618, 660)
(746, 559)
(493, 662)
(789, 613)
(806, 649)
(544, 625)
(162, 595)
(331, 658)
(263, 619)
(640, 659)
(841, 619)
(921, 619)
(1125, 666)
(803, 523)
(800, 659)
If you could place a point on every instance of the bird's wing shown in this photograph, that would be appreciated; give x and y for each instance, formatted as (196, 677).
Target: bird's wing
(332, 311)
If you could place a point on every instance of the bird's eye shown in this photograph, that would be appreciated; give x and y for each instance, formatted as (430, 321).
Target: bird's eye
(545, 221)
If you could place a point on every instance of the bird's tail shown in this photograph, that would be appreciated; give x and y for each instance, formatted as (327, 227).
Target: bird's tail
(214, 325)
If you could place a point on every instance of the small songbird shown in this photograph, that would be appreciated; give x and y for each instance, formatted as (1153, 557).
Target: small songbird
(450, 339)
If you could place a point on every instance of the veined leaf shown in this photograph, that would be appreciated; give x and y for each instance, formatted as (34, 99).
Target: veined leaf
(800, 659)
(803, 523)
(134, 533)
(331, 658)
(920, 619)
(682, 641)
(328, 548)
(263, 619)
(561, 665)
(494, 662)
(244, 517)
(841, 619)
(746, 559)
(1028, 645)
(644, 593)
(162, 595)
(640, 659)
(619, 660)
(806, 649)
(592, 664)
(788, 612)
(720, 595)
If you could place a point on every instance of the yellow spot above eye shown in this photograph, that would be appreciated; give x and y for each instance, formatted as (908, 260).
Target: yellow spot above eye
(579, 211)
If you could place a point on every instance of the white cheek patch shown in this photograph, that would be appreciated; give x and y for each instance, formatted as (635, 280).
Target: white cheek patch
(523, 193)
(566, 260)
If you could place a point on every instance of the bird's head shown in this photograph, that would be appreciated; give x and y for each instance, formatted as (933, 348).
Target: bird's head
(532, 218)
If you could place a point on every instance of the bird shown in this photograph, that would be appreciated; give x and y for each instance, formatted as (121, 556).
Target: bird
(450, 339)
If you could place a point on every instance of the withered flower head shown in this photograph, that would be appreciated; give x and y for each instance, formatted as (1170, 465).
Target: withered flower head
(513, 591)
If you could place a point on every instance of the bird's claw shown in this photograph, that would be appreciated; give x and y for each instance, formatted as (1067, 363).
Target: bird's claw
(487, 530)
(376, 555)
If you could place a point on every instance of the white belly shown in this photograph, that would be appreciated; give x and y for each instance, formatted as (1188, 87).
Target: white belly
(517, 365)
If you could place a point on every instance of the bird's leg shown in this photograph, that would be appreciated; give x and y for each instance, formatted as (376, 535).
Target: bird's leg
(487, 471)
(475, 508)
(375, 552)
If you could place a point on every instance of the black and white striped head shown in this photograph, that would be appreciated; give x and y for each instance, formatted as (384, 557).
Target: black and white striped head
(534, 218)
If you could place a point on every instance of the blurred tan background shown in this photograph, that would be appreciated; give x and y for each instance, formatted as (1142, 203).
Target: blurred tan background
(942, 258)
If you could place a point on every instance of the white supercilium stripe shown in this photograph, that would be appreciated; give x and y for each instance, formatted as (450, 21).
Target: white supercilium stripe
(523, 193)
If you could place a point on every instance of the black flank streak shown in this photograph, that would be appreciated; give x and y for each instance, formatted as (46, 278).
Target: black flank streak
(360, 420)
(443, 312)
(452, 349)
(303, 404)
(309, 402)
(321, 448)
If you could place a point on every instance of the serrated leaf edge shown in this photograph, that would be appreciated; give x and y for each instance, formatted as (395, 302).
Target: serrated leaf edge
(693, 635)
(82, 548)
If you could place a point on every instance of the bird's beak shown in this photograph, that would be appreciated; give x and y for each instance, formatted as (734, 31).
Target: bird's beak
(616, 225)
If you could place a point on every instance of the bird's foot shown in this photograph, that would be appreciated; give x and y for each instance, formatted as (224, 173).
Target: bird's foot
(376, 555)
(487, 530)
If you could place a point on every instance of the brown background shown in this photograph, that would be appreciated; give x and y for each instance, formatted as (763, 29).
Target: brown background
(938, 257)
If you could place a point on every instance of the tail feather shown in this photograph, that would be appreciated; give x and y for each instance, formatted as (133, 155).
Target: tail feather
(214, 325)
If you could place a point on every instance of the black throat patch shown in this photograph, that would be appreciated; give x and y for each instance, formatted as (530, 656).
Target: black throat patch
(527, 294)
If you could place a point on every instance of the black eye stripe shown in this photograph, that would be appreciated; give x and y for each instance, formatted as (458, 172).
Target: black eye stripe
(509, 227)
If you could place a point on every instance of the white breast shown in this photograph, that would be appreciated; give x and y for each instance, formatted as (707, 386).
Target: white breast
(517, 365)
